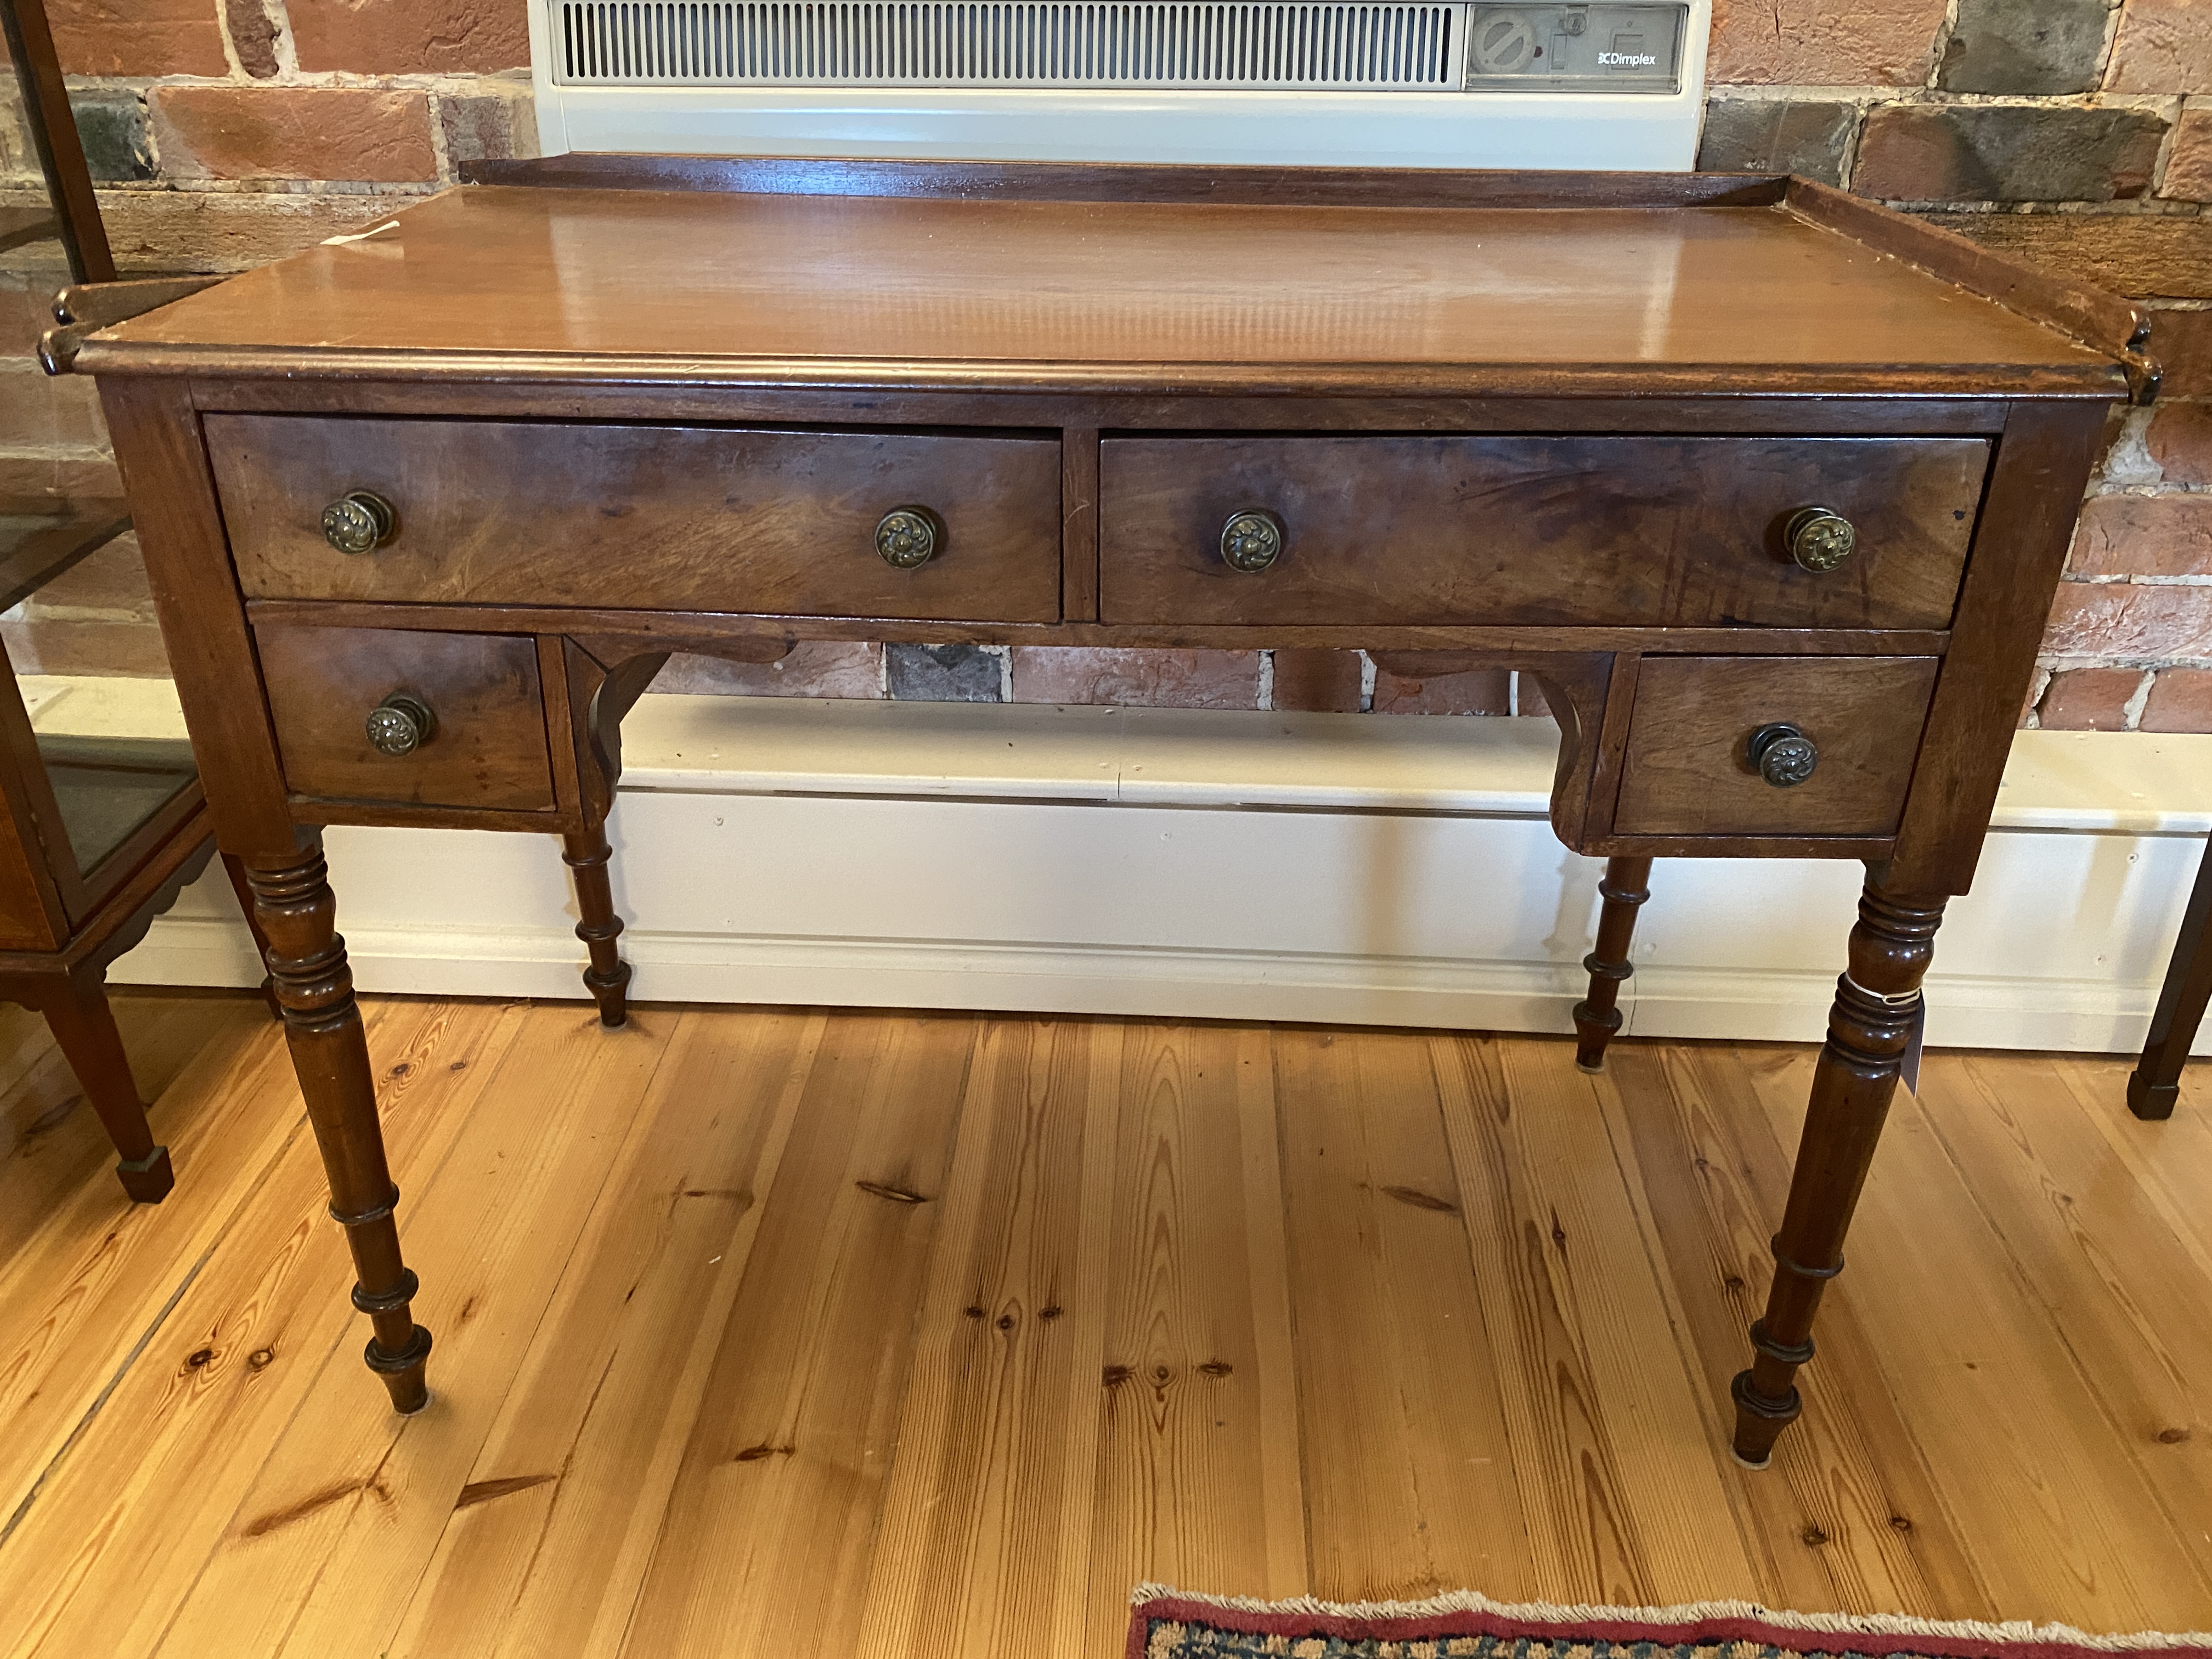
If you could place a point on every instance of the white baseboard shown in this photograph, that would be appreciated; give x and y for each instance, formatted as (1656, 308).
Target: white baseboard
(1310, 868)
(2088, 1015)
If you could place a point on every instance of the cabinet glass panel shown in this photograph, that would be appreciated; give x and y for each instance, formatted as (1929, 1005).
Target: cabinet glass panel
(91, 674)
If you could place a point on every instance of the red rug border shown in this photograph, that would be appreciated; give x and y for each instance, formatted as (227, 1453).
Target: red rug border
(1691, 1631)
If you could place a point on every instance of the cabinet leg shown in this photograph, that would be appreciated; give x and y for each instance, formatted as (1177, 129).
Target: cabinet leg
(607, 979)
(1626, 884)
(1877, 1003)
(292, 898)
(2154, 1087)
(235, 867)
(84, 1026)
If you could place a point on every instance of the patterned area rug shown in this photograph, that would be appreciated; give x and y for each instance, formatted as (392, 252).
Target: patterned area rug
(1169, 1625)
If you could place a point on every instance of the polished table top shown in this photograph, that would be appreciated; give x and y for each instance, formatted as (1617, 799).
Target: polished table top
(1036, 288)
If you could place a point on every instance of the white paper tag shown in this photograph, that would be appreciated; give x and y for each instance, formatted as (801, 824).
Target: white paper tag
(1909, 1067)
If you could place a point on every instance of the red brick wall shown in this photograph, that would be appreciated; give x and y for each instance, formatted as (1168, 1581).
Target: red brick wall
(226, 132)
(2075, 133)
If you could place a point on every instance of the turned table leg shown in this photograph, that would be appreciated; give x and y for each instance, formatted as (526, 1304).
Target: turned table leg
(607, 979)
(2155, 1084)
(1870, 1026)
(306, 958)
(1626, 884)
(84, 1026)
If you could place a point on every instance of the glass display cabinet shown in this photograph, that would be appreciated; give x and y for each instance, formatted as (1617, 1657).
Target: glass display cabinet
(101, 826)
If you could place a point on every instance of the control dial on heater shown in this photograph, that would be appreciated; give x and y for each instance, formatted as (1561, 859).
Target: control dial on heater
(1504, 43)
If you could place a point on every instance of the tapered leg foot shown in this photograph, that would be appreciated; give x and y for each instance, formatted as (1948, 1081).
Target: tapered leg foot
(148, 1180)
(84, 1027)
(1876, 1007)
(2152, 1102)
(1626, 884)
(608, 977)
(322, 1024)
(402, 1368)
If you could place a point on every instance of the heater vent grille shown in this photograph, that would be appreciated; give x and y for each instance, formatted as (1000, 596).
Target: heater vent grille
(848, 43)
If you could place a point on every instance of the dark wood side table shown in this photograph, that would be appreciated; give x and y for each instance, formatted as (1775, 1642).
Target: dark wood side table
(98, 834)
(2154, 1086)
(1768, 487)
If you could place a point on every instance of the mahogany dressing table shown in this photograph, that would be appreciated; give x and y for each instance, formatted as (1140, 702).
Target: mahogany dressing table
(1769, 488)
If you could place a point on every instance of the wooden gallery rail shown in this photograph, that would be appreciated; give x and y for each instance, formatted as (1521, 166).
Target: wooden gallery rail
(1768, 487)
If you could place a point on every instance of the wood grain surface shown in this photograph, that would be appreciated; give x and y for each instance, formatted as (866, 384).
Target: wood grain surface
(30, 914)
(2043, 465)
(1688, 770)
(1034, 290)
(488, 750)
(203, 628)
(496, 513)
(1131, 181)
(1262, 1311)
(1550, 530)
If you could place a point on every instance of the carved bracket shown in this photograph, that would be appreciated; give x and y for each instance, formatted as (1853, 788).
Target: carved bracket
(1576, 684)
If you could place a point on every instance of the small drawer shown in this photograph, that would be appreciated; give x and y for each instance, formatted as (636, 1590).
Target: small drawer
(482, 743)
(1841, 767)
(1621, 530)
(656, 517)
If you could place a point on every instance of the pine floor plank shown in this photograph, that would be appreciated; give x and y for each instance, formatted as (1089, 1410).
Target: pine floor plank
(25, 1043)
(335, 1533)
(2011, 1432)
(146, 1491)
(1432, 1310)
(1611, 1433)
(997, 1439)
(767, 1542)
(2122, 1291)
(54, 1143)
(1409, 1474)
(2171, 1160)
(96, 1274)
(1847, 1519)
(1198, 1480)
(548, 1541)
(51, 1139)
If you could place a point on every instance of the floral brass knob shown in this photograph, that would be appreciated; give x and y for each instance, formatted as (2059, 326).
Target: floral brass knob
(359, 521)
(1783, 755)
(1251, 540)
(1818, 538)
(401, 724)
(909, 536)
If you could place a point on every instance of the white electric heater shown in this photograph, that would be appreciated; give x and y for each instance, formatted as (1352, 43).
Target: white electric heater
(1414, 84)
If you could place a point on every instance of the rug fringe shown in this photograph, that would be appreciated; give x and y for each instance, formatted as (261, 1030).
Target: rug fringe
(1690, 1612)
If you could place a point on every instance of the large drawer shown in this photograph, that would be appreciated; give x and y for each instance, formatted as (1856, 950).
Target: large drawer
(650, 517)
(1541, 530)
(1701, 759)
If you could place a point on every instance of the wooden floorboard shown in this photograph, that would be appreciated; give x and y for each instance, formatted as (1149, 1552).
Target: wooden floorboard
(1198, 1480)
(770, 1334)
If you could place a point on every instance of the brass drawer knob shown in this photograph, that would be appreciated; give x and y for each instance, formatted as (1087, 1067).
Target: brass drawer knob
(1783, 755)
(359, 521)
(909, 536)
(401, 724)
(1818, 538)
(1251, 540)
